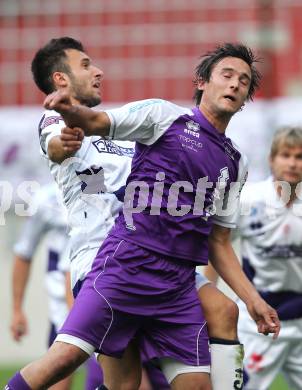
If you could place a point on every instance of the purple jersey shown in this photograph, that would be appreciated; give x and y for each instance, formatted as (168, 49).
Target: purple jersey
(182, 179)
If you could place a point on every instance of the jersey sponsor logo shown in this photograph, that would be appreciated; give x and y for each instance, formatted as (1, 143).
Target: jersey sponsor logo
(104, 146)
(190, 143)
(192, 128)
(51, 120)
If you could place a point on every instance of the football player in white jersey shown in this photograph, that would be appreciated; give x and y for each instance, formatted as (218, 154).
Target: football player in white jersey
(269, 229)
(48, 223)
(91, 177)
(271, 243)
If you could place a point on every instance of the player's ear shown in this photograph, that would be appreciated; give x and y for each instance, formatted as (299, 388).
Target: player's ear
(60, 79)
(200, 84)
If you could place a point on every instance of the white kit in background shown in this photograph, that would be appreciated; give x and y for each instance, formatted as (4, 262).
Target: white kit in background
(48, 224)
(271, 246)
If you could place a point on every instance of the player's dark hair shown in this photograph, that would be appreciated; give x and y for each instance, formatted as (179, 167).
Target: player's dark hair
(203, 71)
(52, 58)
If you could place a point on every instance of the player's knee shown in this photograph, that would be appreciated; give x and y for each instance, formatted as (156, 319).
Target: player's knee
(230, 313)
(191, 381)
(63, 364)
(65, 358)
(223, 318)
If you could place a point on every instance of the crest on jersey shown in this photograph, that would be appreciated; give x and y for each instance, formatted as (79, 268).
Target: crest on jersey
(194, 126)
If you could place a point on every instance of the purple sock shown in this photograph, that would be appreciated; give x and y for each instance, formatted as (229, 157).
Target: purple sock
(17, 383)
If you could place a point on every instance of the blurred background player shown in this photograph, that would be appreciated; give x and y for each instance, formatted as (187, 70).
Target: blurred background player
(47, 225)
(269, 229)
(271, 245)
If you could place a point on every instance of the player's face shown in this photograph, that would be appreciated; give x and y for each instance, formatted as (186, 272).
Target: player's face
(287, 164)
(85, 80)
(228, 87)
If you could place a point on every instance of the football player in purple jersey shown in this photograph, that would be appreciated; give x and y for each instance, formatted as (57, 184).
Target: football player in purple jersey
(142, 283)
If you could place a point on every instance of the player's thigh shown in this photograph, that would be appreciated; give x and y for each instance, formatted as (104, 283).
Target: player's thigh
(263, 359)
(126, 370)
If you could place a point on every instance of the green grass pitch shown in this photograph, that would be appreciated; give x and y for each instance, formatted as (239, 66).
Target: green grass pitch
(78, 383)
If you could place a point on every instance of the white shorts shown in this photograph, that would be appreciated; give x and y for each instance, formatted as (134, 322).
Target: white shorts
(200, 280)
(265, 358)
(171, 368)
(81, 264)
(57, 306)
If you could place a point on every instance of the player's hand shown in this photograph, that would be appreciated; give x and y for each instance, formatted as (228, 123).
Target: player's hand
(265, 316)
(59, 101)
(18, 326)
(71, 139)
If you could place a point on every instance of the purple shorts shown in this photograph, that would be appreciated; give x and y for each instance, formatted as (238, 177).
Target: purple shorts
(134, 292)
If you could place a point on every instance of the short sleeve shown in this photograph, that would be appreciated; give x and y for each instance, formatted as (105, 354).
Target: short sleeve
(50, 126)
(143, 121)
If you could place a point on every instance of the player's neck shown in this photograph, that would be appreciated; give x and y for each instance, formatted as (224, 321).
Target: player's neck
(218, 120)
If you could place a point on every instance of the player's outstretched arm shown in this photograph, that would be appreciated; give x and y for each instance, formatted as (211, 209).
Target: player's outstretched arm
(226, 263)
(92, 122)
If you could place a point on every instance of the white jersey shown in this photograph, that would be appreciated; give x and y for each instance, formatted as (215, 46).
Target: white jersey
(92, 183)
(271, 238)
(271, 246)
(48, 224)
